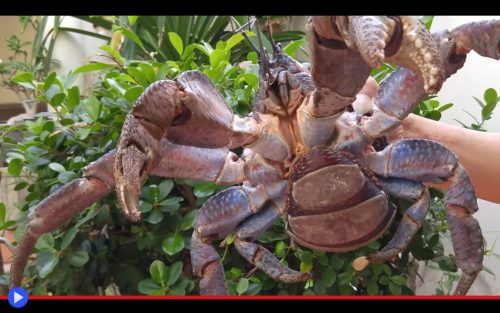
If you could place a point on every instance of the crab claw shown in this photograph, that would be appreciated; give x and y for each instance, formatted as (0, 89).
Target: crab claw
(482, 37)
(137, 154)
(403, 41)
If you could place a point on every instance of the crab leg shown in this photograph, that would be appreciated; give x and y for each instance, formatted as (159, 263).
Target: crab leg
(404, 89)
(429, 161)
(189, 111)
(258, 255)
(215, 165)
(62, 205)
(221, 215)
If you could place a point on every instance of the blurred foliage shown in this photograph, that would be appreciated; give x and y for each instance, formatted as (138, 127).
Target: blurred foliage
(99, 251)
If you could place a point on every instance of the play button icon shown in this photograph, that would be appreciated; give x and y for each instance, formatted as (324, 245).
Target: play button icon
(18, 297)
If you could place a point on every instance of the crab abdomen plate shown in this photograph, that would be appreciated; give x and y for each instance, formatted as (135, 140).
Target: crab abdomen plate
(334, 204)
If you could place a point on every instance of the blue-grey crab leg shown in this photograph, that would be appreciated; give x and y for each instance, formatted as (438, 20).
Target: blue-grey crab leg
(221, 215)
(429, 161)
(214, 165)
(404, 89)
(410, 223)
(260, 256)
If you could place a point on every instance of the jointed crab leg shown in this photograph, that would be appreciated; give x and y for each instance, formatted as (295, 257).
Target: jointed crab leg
(221, 215)
(404, 89)
(190, 111)
(61, 206)
(215, 165)
(429, 161)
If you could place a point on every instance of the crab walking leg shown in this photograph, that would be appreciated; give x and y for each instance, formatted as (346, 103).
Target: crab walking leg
(218, 217)
(190, 111)
(410, 224)
(254, 253)
(429, 161)
(62, 205)
(404, 89)
(214, 165)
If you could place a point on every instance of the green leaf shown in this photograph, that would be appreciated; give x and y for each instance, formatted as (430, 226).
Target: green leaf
(45, 242)
(145, 206)
(148, 72)
(132, 19)
(375, 245)
(217, 56)
(21, 186)
(445, 107)
(280, 249)
(187, 220)
(345, 278)
(133, 93)
(149, 287)
(3, 211)
(23, 77)
(57, 167)
(306, 256)
(78, 258)
(242, 286)
(15, 167)
(293, 46)
(165, 188)
(204, 190)
(131, 35)
(68, 237)
(174, 273)
(487, 110)
(45, 263)
(173, 244)
(159, 272)
(306, 267)
(138, 76)
(73, 98)
(395, 289)
(49, 81)
(490, 95)
(328, 277)
(252, 80)
(372, 288)
(116, 85)
(92, 107)
(176, 41)
(427, 20)
(97, 66)
(155, 217)
(398, 280)
(112, 52)
(66, 176)
(235, 39)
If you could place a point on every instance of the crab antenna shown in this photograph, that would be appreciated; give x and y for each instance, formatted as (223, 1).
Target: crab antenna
(249, 24)
(251, 43)
(275, 48)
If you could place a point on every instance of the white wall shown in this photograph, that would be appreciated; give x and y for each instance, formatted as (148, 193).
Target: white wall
(473, 79)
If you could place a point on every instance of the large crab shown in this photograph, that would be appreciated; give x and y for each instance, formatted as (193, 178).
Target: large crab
(306, 155)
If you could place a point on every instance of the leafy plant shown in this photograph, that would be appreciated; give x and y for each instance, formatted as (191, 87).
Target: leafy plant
(490, 102)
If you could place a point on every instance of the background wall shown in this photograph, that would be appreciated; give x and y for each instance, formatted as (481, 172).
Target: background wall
(10, 25)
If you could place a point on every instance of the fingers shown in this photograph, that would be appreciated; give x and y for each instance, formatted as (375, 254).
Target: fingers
(364, 99)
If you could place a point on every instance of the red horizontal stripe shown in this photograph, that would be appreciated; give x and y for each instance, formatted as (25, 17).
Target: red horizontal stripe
(496, 297)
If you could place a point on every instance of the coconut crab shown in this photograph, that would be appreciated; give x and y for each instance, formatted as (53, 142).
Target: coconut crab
(306, 156)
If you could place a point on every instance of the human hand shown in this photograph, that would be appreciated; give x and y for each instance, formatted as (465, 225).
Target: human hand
(364, 99)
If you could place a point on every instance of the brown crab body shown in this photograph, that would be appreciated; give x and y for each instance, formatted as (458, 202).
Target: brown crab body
(346, 211)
